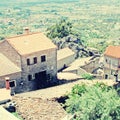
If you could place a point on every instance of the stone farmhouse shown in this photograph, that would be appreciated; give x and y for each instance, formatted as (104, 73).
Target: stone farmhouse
(28, 62)
(112, 62)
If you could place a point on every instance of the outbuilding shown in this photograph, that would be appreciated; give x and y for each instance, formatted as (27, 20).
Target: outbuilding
(65, 57)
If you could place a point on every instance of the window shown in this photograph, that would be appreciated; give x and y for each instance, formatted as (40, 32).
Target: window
(106, 60)
(43, 58)
(106, 76)
(28, 61)
(35, 60)
(118, 66)
(12, 83)
(29, 77)
(112, 72)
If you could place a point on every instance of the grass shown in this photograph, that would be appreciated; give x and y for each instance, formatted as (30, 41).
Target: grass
(17, 115)
(95, 21)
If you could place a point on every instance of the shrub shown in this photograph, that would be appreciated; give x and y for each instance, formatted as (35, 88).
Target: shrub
(79, 89)
(96, 102)
(88, 76)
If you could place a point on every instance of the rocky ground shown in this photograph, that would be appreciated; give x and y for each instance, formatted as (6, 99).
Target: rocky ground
(43, 105)
(38, 109)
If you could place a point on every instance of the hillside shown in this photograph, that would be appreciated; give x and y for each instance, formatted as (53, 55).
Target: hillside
(97, 22)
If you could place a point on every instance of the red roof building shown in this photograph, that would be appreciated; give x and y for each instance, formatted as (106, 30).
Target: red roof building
(34, 55)
(112, 62)
(113, 51)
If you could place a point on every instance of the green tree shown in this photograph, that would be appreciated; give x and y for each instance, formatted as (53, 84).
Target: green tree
(60, 30)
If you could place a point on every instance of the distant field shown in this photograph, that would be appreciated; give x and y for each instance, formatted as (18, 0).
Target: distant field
(94, 20)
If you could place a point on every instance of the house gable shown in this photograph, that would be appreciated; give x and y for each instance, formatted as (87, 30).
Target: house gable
(7, 50)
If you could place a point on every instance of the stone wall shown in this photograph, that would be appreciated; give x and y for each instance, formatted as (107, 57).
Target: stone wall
(14, 76)
(91, 66)
(110, 73)
(65, 62)
(110, 66)
(50, 66)
(39, 109)
(10, 53)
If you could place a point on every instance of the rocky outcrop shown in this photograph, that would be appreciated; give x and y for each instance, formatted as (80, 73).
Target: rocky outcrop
(74, 43)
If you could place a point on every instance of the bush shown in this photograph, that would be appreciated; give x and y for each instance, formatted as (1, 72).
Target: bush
(94, 103)
(88, 76)
(79, 89)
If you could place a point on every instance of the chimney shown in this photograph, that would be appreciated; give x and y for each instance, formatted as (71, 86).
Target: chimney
(26, 30)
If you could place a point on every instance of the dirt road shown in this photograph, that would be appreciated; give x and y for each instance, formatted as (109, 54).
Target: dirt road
(61, 90)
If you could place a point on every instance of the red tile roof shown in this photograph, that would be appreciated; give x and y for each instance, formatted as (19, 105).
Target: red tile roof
(30, 43)
(113, 51)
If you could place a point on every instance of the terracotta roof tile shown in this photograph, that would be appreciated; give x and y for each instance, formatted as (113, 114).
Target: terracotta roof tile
(30, 43)
(113, 51)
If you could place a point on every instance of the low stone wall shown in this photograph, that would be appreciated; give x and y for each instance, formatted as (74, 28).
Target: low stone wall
(39, 109)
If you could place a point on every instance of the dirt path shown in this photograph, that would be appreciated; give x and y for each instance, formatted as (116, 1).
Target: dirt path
(4, 94)
(61, 90)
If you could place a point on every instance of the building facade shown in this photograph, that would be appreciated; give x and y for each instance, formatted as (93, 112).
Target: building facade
(36, 56)
(112, 62)
(8, 70)
(65, 57)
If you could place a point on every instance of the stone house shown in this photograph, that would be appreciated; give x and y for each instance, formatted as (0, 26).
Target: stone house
(112, 62)
(65, 57)
(88, 65)
(36, 56)
(8, 68)
(91, 65)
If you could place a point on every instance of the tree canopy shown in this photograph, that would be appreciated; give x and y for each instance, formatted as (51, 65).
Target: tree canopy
(60, 29)
(96, 102)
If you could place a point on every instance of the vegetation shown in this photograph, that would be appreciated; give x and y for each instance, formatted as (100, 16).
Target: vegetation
(96, 22)
(60, 30)
(17, 115)
(96, 102)
(88, 76)
(63, 35)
